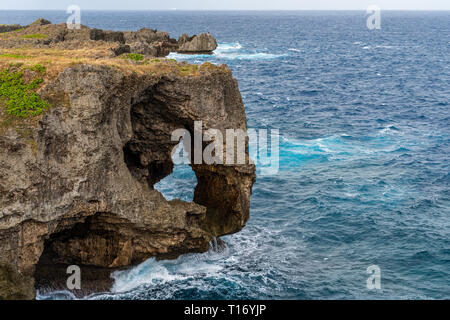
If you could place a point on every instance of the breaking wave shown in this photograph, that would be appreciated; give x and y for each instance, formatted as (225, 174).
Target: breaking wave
(227, 51)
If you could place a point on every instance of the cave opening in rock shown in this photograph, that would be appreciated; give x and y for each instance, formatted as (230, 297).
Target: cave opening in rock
(181, 183)
(151, 155)
(91, 244)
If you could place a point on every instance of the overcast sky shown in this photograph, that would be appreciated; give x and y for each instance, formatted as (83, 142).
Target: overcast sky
(226, 4)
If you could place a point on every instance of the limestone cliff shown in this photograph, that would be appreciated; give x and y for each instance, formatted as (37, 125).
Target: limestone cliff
(203, 43)
(77, 181)
(43, 34)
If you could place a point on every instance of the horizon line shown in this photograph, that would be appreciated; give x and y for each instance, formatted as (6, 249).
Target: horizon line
(175, 9)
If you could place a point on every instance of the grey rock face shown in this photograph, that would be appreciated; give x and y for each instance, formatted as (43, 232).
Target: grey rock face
(15, 286)
(156, 49)
(82, 193)
(41, 22)
(108, 36)
(204, 43)
(14, 27)
(9, 27)
(147, 36)
(144, 41)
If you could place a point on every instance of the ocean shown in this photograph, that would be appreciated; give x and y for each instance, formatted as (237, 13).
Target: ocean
(364, 178)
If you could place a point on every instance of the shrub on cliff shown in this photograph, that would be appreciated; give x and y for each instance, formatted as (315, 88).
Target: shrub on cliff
(34, 36)
(135, 56)
(20, 96)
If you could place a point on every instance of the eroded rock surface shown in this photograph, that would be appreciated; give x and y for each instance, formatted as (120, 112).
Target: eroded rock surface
(204, 43)
(9, 27)
(43, 34)
(79, 189)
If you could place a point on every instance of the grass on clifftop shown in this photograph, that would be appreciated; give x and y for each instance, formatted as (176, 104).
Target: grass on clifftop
(20, 93)
(20, 96)
(12, 56)
(135, 56)
(23, 70)
(57, 59)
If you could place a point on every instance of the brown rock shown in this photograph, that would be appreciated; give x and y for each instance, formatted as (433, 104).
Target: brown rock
(204, 43)
(15, 286)
(9, 27)
(144, 41)
(84, 194)
(41, 22)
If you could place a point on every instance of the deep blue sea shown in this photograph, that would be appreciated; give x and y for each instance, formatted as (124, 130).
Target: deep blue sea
(364, 176)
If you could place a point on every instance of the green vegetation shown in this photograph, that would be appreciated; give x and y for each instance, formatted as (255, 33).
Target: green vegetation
(20, 97)
(34, 36)
(38, 68)
(188, 69)
(135, 56)
(12, 55)
(14, 27)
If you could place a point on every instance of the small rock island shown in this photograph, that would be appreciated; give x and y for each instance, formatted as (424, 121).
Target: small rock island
(86, 117)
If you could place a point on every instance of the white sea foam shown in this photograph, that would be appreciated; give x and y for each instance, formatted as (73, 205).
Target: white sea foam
(378, 47)
(56, 295)
(226, 51)
(152, 272)
(248, 56)
(389, 130)
(229, 47)
(148, 272)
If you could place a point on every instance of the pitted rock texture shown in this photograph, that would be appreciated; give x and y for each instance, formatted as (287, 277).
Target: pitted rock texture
(43, 34)
(82, 193)
(9, 27)
(204, 43)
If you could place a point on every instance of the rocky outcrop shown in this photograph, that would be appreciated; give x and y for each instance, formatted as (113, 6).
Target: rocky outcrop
(41, 22)
(9, 27)
(204, 43)
(150, 42)
(108, 36)
(14, 27)
(14, 285)
(43, 34)
(79, 188)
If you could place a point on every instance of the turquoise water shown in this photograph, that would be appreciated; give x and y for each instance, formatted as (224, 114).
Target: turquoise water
(364, 156)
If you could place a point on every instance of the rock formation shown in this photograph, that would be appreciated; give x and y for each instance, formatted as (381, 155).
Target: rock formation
(42, 34)
(9, 27)
(77, 181)
(204, 43)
